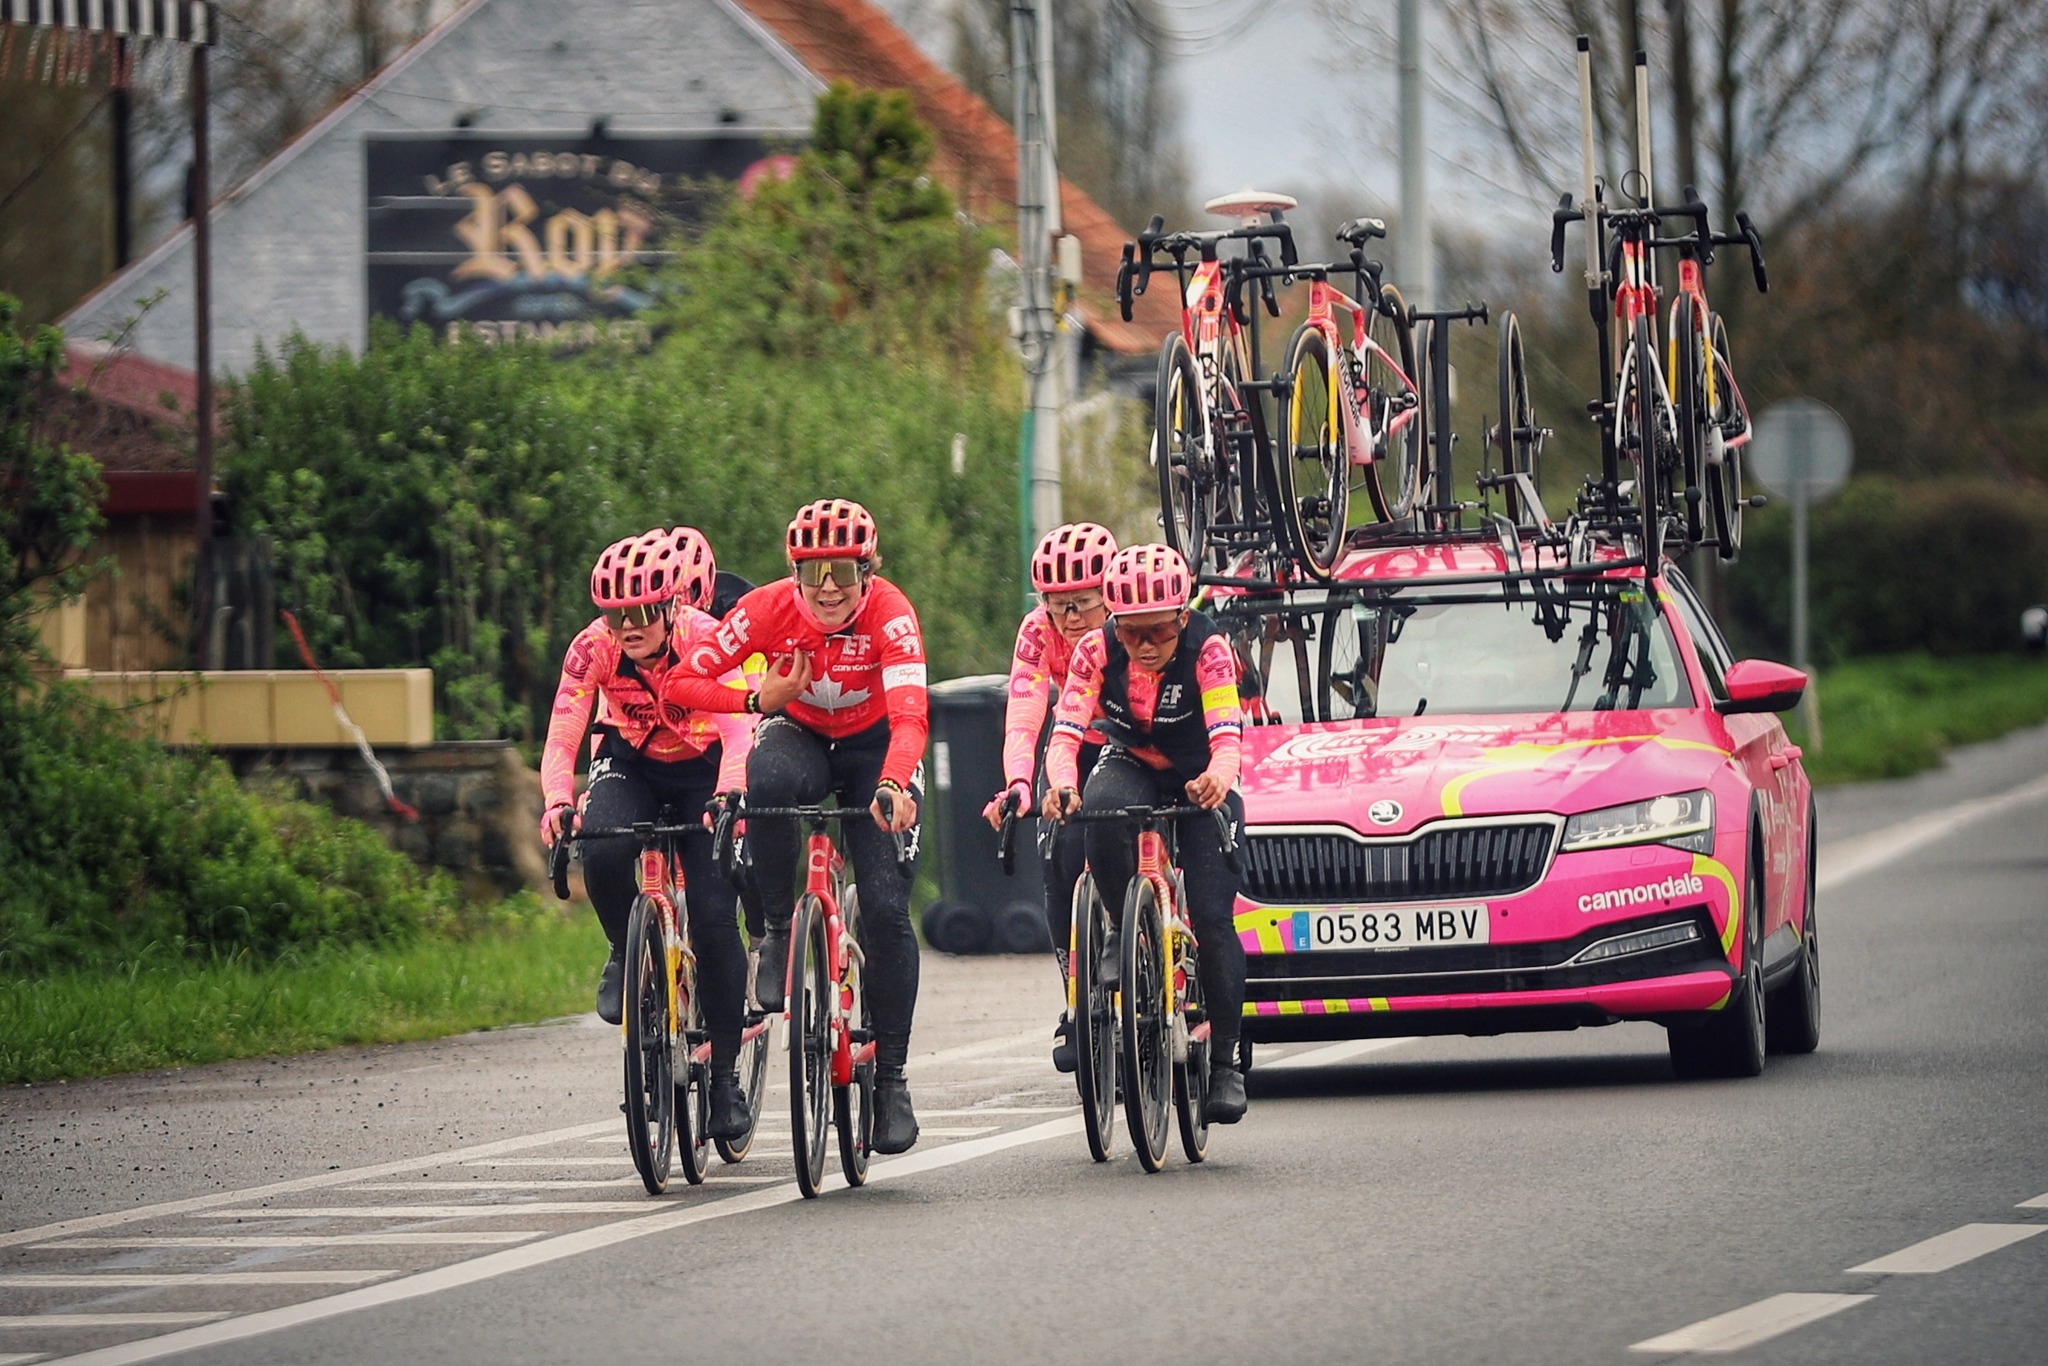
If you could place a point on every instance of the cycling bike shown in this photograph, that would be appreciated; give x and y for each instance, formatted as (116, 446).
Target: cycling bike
(831, 1028)
(667, 1049)
(1516, 438)
(1209, 440)
(1348, 408)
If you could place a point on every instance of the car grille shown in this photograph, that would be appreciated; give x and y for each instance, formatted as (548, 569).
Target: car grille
(1446, 861)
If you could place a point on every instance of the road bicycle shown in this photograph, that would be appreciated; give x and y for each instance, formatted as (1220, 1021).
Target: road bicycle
(1210, 446)
(831, 1026)
(667, 1048)
(1516, 438)
(1348, 407)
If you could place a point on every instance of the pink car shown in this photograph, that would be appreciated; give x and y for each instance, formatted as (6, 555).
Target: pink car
(1477, 803)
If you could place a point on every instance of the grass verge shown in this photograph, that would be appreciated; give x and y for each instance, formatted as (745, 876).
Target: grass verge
(93, 1023)
(1894, 715)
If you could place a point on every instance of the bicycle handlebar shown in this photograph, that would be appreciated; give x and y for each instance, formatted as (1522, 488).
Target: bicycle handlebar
(558, 855)
(904, 856)
(1140, 258)
(1154, 815)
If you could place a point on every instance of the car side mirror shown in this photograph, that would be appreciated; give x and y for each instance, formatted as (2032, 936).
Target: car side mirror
(1756, 685)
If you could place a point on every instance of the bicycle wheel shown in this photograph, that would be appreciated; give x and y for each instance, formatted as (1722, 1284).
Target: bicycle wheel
(1312, 467)
(1181, 450)
(1094, 1020)
(693, 1085)
(1147, 1042)
(1518, 441)
(1191, 1064)
(1640, 442)
(810, 1044)
(853, 1105)
(1728, 434)
(1345, 687)
(1393, 403)
(1689, 403)
(650, 1057)
(753, 1071)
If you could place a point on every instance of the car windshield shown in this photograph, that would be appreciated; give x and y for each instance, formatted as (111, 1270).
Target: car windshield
(1337, 659)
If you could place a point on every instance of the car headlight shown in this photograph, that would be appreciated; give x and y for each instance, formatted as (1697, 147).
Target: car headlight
(1685, 821)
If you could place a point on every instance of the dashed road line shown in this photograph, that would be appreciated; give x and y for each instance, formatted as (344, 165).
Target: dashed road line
(130, 1320)
(1946, 1250)
(2038, 1202)
(254, 1240)
(42, 1280)
(1751, 1324)
(479, 1211)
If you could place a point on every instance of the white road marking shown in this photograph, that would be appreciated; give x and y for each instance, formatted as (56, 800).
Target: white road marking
(509, 1235)
(40, 1280)
(1336, 1052)
(549, 1250)
(1846, 860)
(1946, 1250)
(1738, 1328)
(479, 1211)
(305, 1183)
(976, 1111)
(2038, 1202)
(20, 1358)
(936, 1131)
(561, 1184)
(624, 1164)
(110, 1320)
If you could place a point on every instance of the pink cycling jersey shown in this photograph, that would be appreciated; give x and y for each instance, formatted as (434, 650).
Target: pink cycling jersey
(1038, 670)
(634, 709)
(1080, 706)
(870, 670)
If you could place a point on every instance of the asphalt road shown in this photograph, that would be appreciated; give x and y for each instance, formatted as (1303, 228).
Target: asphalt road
(1548, 1198)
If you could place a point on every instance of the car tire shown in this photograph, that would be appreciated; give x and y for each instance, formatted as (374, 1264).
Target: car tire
(1730, 1043)
(1792, 1018)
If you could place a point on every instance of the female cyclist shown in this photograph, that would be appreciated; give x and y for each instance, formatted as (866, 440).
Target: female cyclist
(848, 719)
(1067, 570)
(649, 756)
(1160, 686)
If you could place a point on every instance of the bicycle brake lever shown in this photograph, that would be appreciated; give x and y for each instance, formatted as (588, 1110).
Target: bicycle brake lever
(1123, 281)
(1266, 293)
(1226, 830)
(558, 866)
(1756, 252)
(1560, 216)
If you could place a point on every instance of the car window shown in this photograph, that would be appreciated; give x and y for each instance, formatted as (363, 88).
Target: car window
(1715, 657)
(1342, 659)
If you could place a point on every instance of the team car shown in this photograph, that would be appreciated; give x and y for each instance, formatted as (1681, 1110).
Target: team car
(1489, 790)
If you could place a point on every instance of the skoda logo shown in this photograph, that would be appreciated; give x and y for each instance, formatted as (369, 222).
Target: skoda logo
(1383, 813)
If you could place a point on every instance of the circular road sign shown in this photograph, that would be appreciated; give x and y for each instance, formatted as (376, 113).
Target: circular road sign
(1800, 443)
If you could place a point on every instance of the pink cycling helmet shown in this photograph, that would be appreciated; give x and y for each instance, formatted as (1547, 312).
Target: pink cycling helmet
(832, 529)
(635, 571)
(696, 568)
(1071, 557)
(1147, 578)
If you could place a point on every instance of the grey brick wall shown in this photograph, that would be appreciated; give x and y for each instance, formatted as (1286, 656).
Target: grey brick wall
(288, 243)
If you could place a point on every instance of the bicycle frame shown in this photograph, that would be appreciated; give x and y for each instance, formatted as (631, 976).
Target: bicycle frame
(1155, 865)
(1364, 442)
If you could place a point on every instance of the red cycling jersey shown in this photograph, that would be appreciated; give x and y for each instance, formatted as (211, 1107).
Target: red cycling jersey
(1038, 670)
(871, 669)
(635, 709)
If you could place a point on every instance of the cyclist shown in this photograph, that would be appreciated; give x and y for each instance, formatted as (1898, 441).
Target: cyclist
(649, 756)
(1160, 685)
(1067, 570)
(846, 716)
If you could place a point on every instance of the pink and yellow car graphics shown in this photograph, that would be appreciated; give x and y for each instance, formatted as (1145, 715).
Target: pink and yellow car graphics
(1490, 820)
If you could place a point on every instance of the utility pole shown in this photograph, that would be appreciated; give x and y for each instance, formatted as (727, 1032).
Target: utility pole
(1037, 315)
(1418, 255)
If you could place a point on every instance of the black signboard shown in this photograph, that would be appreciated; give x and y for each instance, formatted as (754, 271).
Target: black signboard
(504, 235)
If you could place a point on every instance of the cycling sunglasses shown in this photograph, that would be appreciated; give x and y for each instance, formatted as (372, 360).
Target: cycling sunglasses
(1070, 607)
(627, 618)
(813, 573)
(1159, 633)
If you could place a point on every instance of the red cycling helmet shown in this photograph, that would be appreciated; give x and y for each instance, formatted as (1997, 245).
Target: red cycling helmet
(696, 568)
(1071, 557)
(635, 571)
(1146, 578)
(832, 529)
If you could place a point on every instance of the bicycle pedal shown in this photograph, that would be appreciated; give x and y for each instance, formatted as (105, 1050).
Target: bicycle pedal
(860, 1036)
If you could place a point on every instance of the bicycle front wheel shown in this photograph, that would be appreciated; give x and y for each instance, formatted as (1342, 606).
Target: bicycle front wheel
(1518, 441)
(1640, 411)
(1191, 1063)
(1312, 468)
(693, 1085)
(1397, 480)
(853, 1105)
(1147, 1032)
(650, 1057)
(1728, 435)
(810, 1044)
(1094, 1020)
(1181, 450)
(753, 1071)
(1688, 374)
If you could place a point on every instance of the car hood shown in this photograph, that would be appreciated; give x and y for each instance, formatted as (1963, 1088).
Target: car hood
(1471, 766)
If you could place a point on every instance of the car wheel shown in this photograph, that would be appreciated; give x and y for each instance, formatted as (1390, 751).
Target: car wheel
(1792, 1021)
(1731, 1042)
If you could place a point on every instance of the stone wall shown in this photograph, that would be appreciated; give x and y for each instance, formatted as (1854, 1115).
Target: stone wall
(479, 804)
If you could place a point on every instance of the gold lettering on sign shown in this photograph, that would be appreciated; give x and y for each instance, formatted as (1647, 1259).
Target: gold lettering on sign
(495, 232)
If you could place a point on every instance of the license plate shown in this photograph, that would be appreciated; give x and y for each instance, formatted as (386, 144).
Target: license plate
(1389, 927)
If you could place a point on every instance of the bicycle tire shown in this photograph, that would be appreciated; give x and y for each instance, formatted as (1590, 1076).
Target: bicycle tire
(1312, 465)
(693, 1087)
(1387, 394)
(1147, 1051)
(853, 1105)
(1689, 398)
(1094, 1020)
(1181, 450)
(1731, 429)
(1518, 441)
(1640, 403)
(753, 1071)
(810, 1045)
(1339, 661)
(649, 1049)
(1191, 1071)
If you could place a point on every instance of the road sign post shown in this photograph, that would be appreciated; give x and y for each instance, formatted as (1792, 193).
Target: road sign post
(1802, 449)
